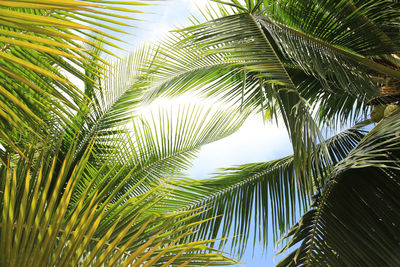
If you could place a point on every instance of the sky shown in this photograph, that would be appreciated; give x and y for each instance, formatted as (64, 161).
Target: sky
(256, 141)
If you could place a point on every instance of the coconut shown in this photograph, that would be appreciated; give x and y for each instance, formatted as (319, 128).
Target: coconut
(390, 109)
(377, 113)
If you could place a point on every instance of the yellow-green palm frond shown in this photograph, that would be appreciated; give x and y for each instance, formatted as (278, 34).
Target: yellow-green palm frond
(55, 224)
(42, 53)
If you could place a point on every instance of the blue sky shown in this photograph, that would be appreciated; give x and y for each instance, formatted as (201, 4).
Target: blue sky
(254, 142)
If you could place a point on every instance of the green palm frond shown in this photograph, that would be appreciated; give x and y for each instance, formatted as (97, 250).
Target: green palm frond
(354, 38)
(161, 146)
(41, 227)
(313, 58)
(350, 32)
(354, 219)
(180, 132)
(332, 104)
(366, 27)
(243, 194)
(121, 91)
(41, 48)
(117, 95)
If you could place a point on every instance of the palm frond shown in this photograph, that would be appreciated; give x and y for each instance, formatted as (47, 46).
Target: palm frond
(121, 91)
(366, 27)
(158, 147)
(313, 58)
(345, 31)
(42, 227)
(353, 38)
(311, 36)
(41, 47)
(333, 105)
(117, 95)
(354, 219)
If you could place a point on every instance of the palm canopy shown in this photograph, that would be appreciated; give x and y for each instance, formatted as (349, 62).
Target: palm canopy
(258, 194)
(246, 57)
(274, 42)
(250, 55)
(99, 189)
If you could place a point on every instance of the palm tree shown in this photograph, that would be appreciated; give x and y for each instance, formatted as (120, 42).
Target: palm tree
(313, 64)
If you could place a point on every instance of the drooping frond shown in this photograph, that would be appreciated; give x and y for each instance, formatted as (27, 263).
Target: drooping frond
(242, 195)
(333, 105)
(349, 47)
(355, 218)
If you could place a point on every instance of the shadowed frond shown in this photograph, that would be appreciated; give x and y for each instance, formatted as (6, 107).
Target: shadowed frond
(354, 220)
(332, 104)
(358, 40)
(368, 27)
